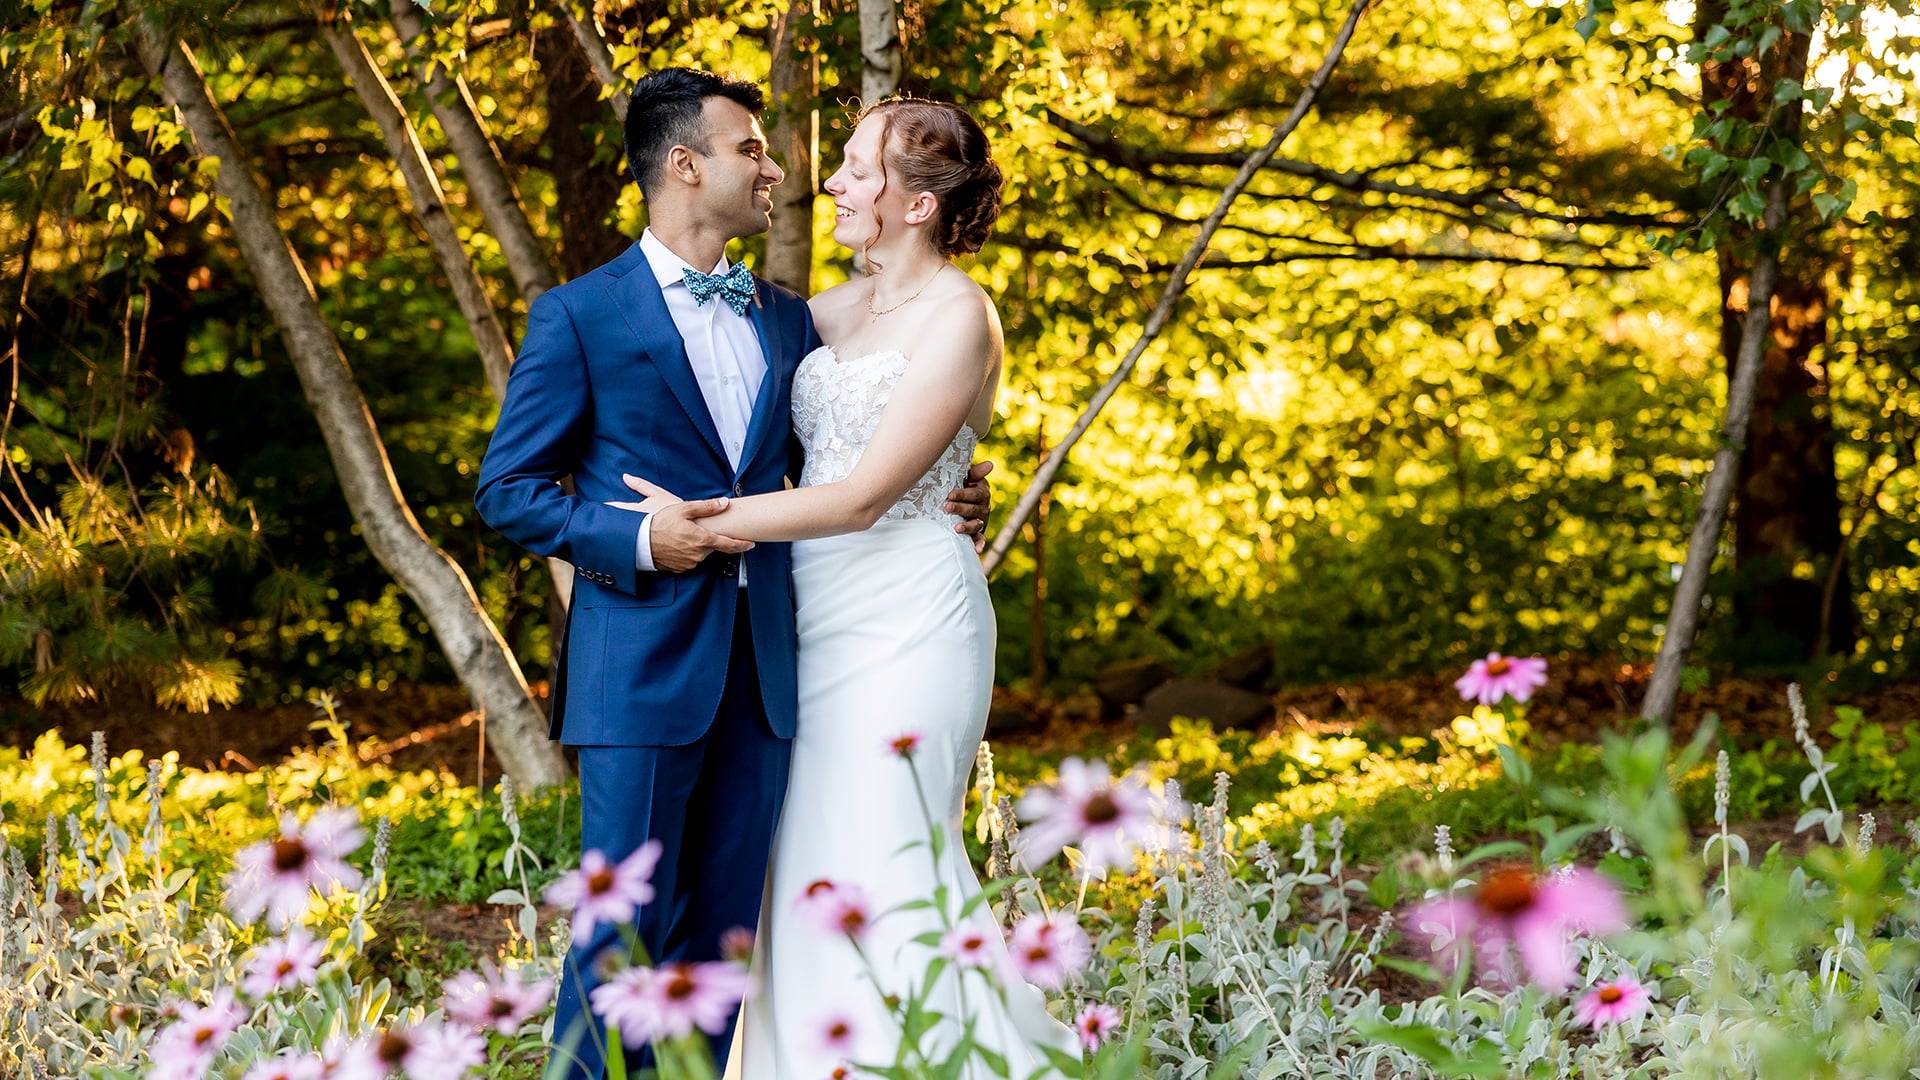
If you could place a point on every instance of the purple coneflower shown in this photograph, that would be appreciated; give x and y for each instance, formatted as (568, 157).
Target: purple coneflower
(968, 946)
(1612, 1002)
(1048, 950)
(429, 1051)
(604, 892)
(278, 876)
(737, 945)
(1496, 677)
(654, 1004)
(904, 744)
(1517, 911)
(837, 1034)
(1103, 817)
(282, 963)
(186, 1047)
(1096, 1024)
(496, 999)
(837, 907)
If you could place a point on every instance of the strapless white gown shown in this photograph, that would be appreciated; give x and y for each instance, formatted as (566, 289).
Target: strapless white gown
(896, 635)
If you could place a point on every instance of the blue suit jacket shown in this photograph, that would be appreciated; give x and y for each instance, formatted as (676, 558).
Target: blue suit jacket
(602, 387)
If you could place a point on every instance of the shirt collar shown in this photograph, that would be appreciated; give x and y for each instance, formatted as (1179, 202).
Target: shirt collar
(668, 268)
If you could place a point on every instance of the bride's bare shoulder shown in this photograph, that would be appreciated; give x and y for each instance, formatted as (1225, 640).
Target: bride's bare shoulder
(833, 307)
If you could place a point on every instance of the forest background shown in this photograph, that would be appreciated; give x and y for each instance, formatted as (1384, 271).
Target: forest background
(1449, 377)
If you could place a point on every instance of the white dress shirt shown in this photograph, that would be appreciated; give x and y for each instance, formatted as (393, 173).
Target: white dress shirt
(727, 362)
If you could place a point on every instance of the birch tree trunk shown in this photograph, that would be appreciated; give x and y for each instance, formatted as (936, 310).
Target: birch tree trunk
(792, 131)
(1176, 286)
(434, 581)
(429, 203)
(480, 163)
(880, 61)
(586, 29)
(1663, 689)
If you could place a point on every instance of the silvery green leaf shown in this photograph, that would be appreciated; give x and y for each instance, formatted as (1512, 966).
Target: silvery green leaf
(1811, 818)
(507, 896)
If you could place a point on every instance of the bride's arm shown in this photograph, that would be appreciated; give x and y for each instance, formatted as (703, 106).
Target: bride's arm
(942, 383)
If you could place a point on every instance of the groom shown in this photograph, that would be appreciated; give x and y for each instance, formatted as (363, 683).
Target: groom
(675, 681)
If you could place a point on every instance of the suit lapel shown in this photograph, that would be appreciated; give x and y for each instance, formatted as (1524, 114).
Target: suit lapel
(638, 298)
(765, 403)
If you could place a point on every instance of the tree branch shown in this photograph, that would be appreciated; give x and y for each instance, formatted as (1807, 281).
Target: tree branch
(1175, 288)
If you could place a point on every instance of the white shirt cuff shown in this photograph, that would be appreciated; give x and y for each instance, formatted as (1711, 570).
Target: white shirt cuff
(643, 548)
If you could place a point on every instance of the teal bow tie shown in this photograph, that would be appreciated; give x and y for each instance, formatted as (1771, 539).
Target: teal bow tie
(735, 287)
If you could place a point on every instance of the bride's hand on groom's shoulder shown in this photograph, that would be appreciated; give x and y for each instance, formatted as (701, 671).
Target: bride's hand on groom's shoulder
(973, 501)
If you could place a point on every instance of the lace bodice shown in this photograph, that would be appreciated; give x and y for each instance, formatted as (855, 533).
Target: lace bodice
(836, 408)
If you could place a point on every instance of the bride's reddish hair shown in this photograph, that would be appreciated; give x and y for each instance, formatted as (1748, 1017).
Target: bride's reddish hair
(938, 147)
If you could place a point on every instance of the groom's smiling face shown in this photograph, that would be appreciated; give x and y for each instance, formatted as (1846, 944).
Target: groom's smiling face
(737, 175)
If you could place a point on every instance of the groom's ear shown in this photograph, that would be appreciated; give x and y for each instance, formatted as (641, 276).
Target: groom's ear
(924, 208)
(683, 165)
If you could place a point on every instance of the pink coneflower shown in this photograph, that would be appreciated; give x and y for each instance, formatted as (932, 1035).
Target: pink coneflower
(1517, 911)
(278, 877)
(495, 999)
(1496, 677)
(288, 1067)
(429, 1051)
(188, 1045)
(282, 963)
(837, 907)
(1047, 950)
(1096, 1024)
(837, 1034)
(1103, 817)
(600, 891)
(904, 744)
(653, 1004)
(353, 1059)
(968, 946)
(737, 945)
(1612, 1002)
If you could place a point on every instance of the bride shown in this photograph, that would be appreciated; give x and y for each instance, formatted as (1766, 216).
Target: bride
(896, 632)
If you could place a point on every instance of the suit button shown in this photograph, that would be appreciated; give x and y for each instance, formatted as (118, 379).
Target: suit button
(739, 490)
(730, 566)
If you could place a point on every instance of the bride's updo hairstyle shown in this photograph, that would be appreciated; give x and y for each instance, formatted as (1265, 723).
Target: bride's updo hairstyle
(938, 147)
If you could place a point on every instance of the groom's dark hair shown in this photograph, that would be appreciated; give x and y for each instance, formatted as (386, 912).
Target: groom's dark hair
(664, 110)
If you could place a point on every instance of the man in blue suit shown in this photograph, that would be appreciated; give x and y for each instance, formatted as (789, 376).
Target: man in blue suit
(675, 681)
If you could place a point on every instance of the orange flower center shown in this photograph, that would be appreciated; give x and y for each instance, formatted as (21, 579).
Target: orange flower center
(1611, 994)
(1039, 954)
(283, 969)
(289, 854)
(680, 987)
(600, 882)
(1507, 892)
(905, 744)
(1498, 667)
(393, 1048)
(819, 887)
(839, 1030)
(852, 920)
(1101, 809)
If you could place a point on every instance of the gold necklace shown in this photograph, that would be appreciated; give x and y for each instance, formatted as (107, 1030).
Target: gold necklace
(890, 310)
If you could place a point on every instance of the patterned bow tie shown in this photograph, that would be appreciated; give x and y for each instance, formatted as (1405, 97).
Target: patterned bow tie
(735, 287)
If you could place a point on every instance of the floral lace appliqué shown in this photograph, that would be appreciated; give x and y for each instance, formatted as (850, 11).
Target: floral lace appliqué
(836, 408)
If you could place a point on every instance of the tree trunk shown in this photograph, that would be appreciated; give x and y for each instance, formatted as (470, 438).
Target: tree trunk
(500, 206)
(586, 193)
(792, 129)
(433, 580)
(429, 204)
(1663, 689)
(879, 50)
(599, 58)
(479, 159)
(1176, 286)
(1786, 512)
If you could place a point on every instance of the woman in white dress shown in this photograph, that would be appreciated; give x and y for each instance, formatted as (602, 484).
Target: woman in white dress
(896, 632)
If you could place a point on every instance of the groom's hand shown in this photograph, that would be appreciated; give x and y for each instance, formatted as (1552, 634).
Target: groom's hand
(973, 501)
(680, 542)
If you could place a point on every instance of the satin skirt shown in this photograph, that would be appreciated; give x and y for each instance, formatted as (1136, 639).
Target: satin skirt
(896, 639)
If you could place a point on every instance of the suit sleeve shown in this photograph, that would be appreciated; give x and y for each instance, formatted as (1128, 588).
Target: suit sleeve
(546, 424)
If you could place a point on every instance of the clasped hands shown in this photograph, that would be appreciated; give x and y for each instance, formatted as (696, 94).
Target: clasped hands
(680, 542)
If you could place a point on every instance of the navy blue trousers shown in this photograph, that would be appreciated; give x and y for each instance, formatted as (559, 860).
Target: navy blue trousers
(713, 805)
